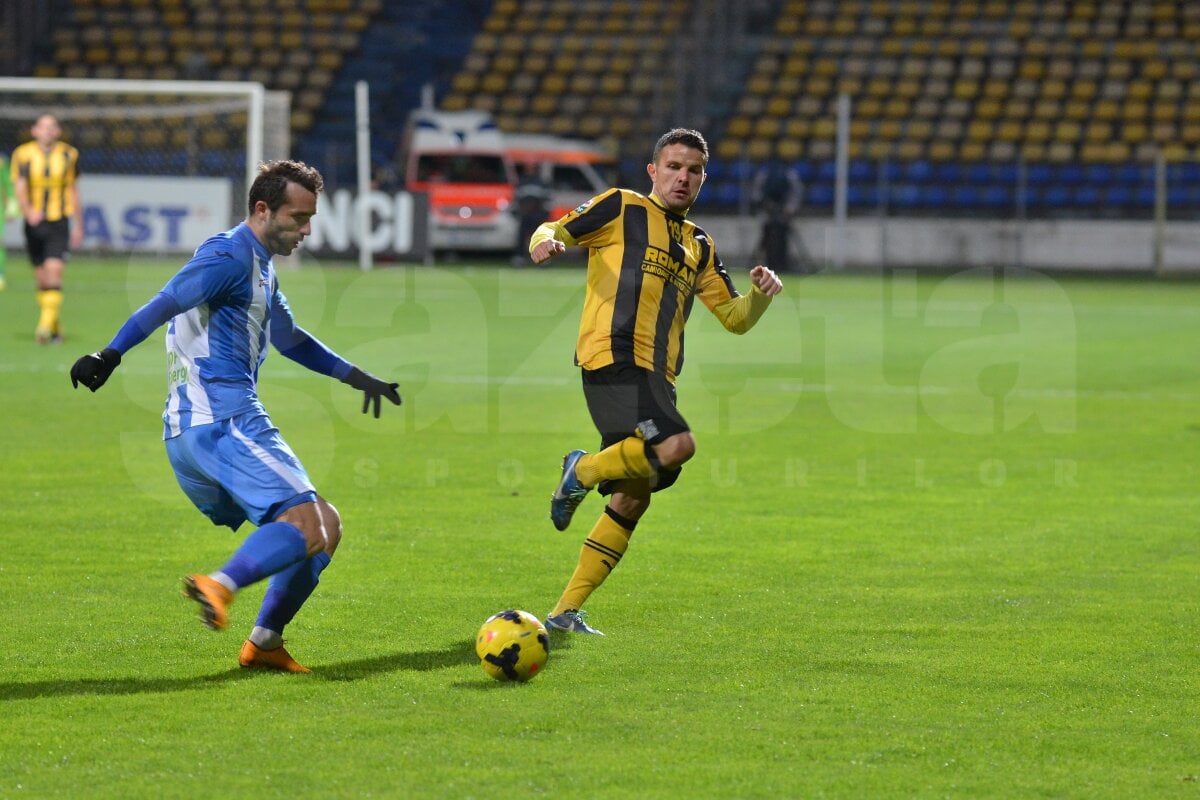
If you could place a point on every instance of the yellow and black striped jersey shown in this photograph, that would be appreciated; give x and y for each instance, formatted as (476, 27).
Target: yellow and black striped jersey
(49, 177)
(646, 266)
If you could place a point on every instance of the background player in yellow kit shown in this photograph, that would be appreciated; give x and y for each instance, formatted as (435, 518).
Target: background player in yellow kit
(44, 174)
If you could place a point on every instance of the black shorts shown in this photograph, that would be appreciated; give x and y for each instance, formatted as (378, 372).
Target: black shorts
(626, 400)
(47, 240)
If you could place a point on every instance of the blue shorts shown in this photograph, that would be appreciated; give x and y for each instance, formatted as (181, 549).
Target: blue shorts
(239, 469)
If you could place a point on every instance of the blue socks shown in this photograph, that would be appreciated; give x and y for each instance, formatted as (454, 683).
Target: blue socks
(288, 590)
(271, 549)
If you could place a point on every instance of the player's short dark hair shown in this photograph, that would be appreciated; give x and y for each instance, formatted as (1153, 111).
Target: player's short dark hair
(684, 136)
(273, 177)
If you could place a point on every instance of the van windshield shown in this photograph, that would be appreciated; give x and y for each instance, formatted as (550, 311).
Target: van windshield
(458, 168)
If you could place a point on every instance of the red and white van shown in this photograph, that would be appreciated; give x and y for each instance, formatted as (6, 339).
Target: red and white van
(457, 158)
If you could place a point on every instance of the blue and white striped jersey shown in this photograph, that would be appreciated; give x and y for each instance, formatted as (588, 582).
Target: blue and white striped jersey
(230, 298)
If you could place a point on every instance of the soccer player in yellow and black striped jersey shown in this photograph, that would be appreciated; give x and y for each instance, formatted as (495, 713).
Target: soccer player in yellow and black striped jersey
(44, 173)
(647, 264)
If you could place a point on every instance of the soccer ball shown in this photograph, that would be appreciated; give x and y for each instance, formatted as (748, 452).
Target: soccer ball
(512, 645)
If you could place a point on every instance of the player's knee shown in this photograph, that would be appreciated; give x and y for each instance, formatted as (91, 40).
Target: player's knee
(674, 451)
(333, 525)
(307, 519)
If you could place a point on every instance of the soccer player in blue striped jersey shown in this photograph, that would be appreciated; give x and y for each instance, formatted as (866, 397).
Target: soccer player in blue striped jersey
(223, 309)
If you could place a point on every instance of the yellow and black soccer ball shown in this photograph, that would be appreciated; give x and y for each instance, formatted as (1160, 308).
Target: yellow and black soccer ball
(512, 645)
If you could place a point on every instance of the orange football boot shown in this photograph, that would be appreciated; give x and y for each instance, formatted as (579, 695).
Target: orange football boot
(255, 657)
(214, 600)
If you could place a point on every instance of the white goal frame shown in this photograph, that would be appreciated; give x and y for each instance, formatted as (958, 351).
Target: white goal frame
(254, 95)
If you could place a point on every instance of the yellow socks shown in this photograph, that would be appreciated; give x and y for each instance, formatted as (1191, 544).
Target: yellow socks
(600, 554)
(50, 301)
(625, 459)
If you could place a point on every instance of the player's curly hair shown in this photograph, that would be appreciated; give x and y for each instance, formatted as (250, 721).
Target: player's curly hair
(273, 177)
(684, 136)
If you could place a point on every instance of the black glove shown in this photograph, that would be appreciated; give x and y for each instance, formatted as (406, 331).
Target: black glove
(93, 369)
(372, 388)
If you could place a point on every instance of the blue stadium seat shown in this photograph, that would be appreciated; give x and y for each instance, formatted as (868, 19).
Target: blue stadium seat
(1056, 197)
(1186, 171)
(1143, 197)
(861, 171)
(1069, 174)
(948, 173)
(820, 195)
(893, 171)
(980, 173)
(726, 194)
(1118, 197)
(739, 169)
(1099, 174)
(1132, 175)
(860, 195)
(966, 197)
(126, 159)
(905, 196)
(936, 197)
(1039, 174)
(919, 171)
(1005, 173)
(806, 170)
(1086, 197)
(997, 198)
(92, 160)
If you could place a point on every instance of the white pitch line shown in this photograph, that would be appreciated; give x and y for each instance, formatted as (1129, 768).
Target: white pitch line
(785, 386)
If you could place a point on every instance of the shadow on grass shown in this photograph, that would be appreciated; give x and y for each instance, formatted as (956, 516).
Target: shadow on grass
(451, 656)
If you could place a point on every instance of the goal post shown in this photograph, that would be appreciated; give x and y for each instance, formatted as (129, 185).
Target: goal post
(155, 130)
(97, 98)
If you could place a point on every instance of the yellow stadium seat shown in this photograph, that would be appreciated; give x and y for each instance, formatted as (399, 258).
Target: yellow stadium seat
(1047, 109)
(728, 149)
(980, 130)
(1164, 111)
(1077, 109)
(1037, 130)
(943, 150)
(1164, 132)
(789, 149)
(1132, 110)
(868, 107)
(972, 151)
(759, 149)
(1054, 88)
(889, 129)
(1009, 130)
(1134, 132)
(1068, 130)
(739, 127)
(1017, 108)
(767, 128)
(996, 88)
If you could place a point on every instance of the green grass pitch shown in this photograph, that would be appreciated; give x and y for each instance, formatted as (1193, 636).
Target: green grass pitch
(939, 539)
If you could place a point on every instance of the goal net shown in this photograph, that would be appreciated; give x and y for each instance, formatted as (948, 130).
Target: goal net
(157, 158)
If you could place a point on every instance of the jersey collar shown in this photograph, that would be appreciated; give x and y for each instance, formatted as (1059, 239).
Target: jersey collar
(658, 202)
